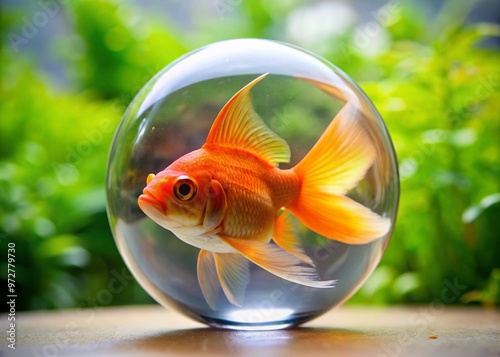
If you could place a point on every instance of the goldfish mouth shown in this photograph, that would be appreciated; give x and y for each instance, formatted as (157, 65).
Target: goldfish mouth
(147, 201)
(156, 210)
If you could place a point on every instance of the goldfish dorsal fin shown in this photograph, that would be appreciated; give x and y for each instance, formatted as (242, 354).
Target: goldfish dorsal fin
(238, 126)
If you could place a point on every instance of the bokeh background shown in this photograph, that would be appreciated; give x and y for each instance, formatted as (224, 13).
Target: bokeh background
(69, 69)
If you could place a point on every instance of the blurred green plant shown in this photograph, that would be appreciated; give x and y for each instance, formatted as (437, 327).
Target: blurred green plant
(435, 84)
(440, 98)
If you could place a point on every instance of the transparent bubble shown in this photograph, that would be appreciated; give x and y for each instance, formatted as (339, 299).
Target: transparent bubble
(172, 115)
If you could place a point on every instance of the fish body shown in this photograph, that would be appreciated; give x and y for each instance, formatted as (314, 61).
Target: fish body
(254, 192)
(230, 199)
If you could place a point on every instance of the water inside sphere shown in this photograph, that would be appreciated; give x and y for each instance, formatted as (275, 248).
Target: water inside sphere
(172, 116)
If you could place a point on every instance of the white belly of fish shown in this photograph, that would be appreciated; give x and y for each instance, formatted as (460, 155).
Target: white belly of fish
(203, 240)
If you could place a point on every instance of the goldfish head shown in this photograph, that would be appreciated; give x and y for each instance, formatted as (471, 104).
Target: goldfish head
(175, 199)
(186, 199)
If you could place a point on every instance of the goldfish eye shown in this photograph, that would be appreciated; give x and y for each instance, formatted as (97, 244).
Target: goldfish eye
(185, 189)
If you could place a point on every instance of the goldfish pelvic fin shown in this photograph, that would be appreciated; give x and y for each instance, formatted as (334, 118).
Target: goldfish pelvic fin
(338, 161)
(234, 275)
(284, 236)
(278, 262)
(207, 277)
(238, 126)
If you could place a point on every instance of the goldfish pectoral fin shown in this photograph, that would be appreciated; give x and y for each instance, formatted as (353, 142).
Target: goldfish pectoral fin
(341, 218)
(278, 262)
(238, 126)
(340, 158)
(234, 275)
(207, 278)
(284, 236)
(216, 206)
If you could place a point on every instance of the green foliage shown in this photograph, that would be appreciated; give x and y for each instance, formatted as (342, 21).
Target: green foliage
(440, 100)
(436, 85)
(121, 48)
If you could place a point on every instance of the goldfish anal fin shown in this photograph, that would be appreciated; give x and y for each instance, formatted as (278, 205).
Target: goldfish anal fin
(284, 235)
(278, 262)
(234, 275)
(207, 277)
(238, 126)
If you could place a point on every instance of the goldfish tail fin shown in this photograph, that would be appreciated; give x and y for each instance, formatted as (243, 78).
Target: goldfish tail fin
(338, 161)
(228, 271)
(285, 237)
(278, 262)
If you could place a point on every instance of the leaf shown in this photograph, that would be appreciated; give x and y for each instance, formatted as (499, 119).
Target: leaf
(473, 212)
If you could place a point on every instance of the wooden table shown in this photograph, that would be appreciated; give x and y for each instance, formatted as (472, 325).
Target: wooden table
(429, 331)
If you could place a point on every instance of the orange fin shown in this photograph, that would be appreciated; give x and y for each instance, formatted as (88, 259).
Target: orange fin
(340, 158)
(234, 275)
(341, 218)
(207, 277)
(338, 161)
(216, 206)
(238, 126)
(284, 236)
(344, 95)
(383, 171)
(278, 262)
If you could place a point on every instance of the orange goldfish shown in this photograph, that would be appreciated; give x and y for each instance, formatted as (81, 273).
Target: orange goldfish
(230, 200)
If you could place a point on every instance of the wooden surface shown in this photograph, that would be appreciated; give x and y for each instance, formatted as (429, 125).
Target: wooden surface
(155, 331)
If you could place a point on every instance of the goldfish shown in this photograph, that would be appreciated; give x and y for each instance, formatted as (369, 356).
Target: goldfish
(231, 200)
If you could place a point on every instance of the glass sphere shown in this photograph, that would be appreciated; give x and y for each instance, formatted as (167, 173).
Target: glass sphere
(298, 99)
